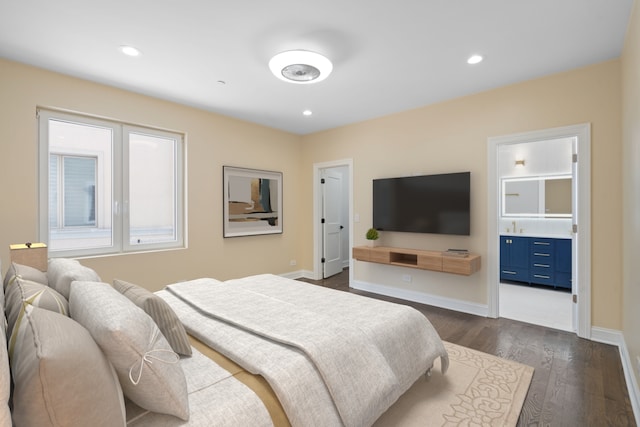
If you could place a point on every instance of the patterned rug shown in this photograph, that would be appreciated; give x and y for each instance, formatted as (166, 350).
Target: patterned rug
(479, 389)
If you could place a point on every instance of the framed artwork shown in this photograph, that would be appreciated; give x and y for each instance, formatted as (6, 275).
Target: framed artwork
(252, 202)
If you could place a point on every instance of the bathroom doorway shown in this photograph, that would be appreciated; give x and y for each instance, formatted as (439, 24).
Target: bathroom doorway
(535, 229)
(540, 272)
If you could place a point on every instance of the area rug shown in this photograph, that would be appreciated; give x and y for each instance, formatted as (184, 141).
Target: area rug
(479, 389)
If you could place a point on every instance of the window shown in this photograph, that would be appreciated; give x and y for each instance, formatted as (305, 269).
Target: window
(108, 187)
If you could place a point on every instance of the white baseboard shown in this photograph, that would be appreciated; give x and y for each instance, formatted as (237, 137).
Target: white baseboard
(607, 336)
(437, 301)
(299, 274)
(614, 337)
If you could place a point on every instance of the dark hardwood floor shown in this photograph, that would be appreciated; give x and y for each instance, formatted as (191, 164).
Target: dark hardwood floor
(576, 382)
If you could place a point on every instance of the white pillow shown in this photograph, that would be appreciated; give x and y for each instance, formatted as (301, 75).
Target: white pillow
(61, 376)
(63, 271)
(161, 313)
(26, 272)
(5, 373)
(144, 361)
(21, 293)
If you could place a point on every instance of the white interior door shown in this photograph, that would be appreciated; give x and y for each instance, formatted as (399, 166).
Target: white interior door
(331, 222)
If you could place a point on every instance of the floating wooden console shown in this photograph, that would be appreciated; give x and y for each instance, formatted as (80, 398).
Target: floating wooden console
(425, 260)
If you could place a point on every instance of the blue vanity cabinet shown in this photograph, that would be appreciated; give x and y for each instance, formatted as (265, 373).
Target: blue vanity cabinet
(514, 258)
(536, 260)
(542, 261)
(563, 278)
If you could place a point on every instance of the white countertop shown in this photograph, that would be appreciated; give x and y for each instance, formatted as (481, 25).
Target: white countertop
(540, 235)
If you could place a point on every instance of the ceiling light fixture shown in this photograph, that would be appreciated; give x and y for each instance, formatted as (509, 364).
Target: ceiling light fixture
(474, 59)
(129, 50)
(300, 66)
(307, 112)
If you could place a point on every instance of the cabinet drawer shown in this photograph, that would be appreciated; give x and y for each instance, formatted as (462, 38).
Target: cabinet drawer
(538, 242)
(542, 263)
(541, 247)
(517, 274)
(541, 276)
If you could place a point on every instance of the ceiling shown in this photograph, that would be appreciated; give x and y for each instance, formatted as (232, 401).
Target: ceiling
(387, 56)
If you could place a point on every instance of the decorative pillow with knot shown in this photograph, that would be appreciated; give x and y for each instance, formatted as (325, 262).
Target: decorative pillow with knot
(148, 369)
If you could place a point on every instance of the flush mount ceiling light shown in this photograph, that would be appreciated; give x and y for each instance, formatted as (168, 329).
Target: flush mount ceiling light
(300, 66)
(129, 50)
(474, 59)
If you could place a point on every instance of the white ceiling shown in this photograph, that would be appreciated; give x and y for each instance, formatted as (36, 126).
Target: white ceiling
(388, 56)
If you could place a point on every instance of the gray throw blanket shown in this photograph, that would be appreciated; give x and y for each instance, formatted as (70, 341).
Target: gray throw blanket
(364, 353)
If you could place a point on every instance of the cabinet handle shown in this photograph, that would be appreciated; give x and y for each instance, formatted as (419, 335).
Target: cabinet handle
(541, 276)
(509, 272)
(539, 254)
(542, 265)
(542, 243)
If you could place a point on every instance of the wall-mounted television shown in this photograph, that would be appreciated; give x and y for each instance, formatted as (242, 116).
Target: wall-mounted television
(438, 204)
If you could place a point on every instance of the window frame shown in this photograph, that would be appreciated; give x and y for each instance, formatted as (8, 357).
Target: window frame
(119, 175)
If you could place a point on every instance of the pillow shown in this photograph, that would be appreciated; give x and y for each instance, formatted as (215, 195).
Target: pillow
(5, 373)
(61, 377)
(5, 382)
(146, 366)
(25, 272)
(63, 271)
(21, 293)
(160, 312)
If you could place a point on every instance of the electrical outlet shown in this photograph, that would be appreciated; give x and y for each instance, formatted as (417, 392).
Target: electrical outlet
(406, 278)
(293, 262)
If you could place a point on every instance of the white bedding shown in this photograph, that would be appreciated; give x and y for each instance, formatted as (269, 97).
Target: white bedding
(332, 358)
(216, 398)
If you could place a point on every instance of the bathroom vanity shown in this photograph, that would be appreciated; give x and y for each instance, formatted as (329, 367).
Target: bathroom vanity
(536, 260)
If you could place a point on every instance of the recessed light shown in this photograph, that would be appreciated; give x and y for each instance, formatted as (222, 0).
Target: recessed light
(307, 112)
(474, 59)
(129, 50)
(300, 66)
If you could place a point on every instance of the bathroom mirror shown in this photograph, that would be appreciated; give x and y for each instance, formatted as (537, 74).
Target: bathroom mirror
(548, 196)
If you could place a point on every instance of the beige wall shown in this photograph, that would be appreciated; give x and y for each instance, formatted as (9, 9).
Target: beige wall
(212, 141)
(452, 136)
(631, 143)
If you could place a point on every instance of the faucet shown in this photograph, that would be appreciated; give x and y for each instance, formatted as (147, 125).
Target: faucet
(514, 226)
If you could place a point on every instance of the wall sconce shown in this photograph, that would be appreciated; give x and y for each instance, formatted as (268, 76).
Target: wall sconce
(520, 162)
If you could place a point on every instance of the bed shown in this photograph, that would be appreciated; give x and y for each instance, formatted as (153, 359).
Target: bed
(258, 351)
(330, 357)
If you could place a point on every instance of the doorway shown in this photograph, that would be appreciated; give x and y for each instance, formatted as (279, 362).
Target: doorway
(333, 207)
(536, 216)
(578, 234)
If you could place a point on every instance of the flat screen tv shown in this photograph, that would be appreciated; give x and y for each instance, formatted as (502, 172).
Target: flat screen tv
(438, 204)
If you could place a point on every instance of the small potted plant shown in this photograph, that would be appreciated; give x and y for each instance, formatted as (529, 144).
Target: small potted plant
(372, 235)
